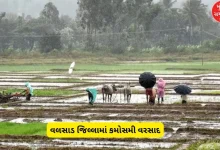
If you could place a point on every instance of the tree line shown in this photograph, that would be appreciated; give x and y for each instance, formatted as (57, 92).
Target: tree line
(110, 25)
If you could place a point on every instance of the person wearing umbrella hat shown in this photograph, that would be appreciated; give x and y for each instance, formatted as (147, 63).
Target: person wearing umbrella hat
(148, 80)
(183, 90)
(184, 99)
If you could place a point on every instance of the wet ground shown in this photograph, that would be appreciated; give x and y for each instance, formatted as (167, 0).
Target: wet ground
(184, 124)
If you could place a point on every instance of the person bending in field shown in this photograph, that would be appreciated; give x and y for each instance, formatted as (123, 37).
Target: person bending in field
(92, 92)
(28, 91)
(150, 95)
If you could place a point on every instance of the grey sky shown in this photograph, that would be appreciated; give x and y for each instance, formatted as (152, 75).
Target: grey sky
(65, 7)
(34, 7)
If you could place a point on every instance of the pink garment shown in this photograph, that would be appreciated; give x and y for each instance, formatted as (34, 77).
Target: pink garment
(161, 87)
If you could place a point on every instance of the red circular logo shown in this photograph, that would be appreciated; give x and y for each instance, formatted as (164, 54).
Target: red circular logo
(216, 11)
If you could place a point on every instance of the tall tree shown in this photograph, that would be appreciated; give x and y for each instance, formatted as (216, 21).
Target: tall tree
(50, 14)
(65, 21)
(167, 4)
(48, 28)
(166, 20)
(2, 15)
(67, 37)
(194, 13)
(90, 15)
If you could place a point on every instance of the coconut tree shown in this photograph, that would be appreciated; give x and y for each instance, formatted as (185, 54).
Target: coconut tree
(194, 12)
(168, 3)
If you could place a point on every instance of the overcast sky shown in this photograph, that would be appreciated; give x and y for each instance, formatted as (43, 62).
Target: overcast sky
(65, 7)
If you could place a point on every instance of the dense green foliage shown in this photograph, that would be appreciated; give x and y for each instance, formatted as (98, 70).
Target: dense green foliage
(116, 26)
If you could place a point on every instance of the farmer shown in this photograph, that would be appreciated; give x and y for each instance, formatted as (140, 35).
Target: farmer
(160, 89)
(151, 95)
(92, 95)
(184, 99)
(28, 91)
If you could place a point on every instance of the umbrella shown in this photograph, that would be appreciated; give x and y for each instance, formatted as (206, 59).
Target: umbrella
(182, 89)
(147, 80)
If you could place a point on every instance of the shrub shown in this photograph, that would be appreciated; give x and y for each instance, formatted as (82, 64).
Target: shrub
(216, 45)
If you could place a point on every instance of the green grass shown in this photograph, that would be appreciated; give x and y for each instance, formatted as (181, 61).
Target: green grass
(215, 66)
(23, 129)
(46, 92)
(33, 67)
(197, 144)
(209, 92)
(177, 72)
(57, 80)
(113, 67)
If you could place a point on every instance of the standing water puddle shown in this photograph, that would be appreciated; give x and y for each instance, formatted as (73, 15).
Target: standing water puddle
(17, 77)
(141, 98)
(95, 143)
(38, 84)
(112, 144)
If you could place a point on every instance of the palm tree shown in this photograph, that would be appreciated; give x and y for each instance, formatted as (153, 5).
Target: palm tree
(195, 14)
(168, 3)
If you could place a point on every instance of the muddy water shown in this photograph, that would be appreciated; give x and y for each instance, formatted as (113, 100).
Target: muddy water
(30, 145)
(18, 120)
(37, 84)
(46, 120)
(34, 99)
(141, 98)
(85, 87)
(136, 98)
(49, 104)
(137, 75)
(175, 125)
(22, 87)
(162, 75)
(7, 108)
(17, 77)
(37, 99)
(205, 124)
(169, 88)
(132, 77)
(61, 77)
(173, 82)
(11, 80)
(95, 144)
(127, 145)
(33, 107)
(210, 78)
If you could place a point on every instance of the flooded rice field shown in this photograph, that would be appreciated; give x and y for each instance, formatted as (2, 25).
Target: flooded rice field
(38, 84)
(184, 124)
(141, 98)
